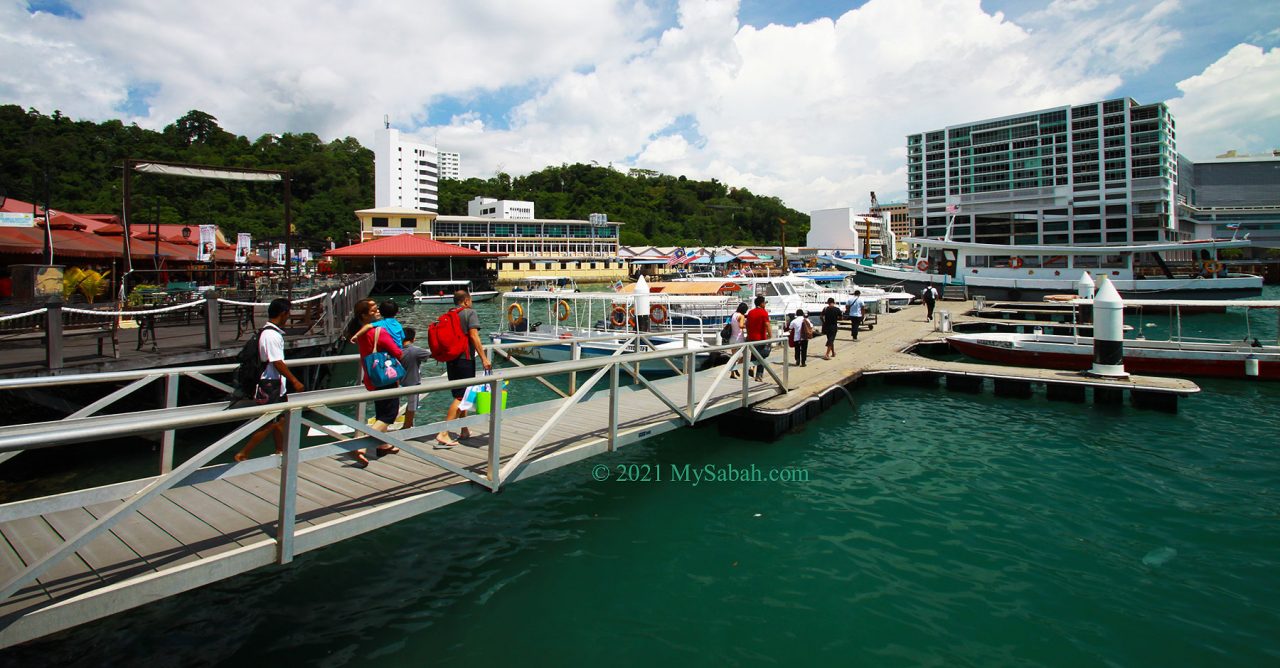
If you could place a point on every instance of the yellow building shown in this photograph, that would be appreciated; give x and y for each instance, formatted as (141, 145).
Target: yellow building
(387, 221)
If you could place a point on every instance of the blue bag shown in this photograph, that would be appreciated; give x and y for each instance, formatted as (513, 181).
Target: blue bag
(382, 369)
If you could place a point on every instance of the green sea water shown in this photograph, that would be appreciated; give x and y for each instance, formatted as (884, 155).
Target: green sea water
(928, 528)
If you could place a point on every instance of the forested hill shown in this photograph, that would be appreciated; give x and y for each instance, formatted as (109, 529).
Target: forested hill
(331, 180)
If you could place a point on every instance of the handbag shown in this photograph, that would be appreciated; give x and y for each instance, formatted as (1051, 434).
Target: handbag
(381, 368)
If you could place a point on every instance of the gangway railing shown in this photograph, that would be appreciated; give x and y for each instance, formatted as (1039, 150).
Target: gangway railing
(297, 412)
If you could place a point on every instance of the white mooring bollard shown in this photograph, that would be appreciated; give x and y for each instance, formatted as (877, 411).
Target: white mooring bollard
(1108, 332)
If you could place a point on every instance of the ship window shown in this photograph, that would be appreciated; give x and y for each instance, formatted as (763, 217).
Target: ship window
(1085, 261)
(1052, 261)
(1114, 261)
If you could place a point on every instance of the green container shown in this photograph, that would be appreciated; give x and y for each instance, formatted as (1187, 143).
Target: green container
(484, 401)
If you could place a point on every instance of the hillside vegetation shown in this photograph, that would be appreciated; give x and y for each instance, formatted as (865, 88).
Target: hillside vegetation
(332, 179)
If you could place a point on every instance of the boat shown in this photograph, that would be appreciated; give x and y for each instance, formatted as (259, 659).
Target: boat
(1177, 356)
(784, 295)
(441, 292)
(546, 284)
(1030, 272)
(609, 320)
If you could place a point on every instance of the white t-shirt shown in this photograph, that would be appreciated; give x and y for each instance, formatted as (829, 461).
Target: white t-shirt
(737, 327)
(853, 307)
(797, 328)
(271, 349)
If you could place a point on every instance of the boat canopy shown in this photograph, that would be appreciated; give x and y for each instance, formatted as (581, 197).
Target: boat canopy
(703, 287)
(1047, 249)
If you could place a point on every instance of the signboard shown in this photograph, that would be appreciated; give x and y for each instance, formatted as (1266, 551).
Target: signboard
(244, 241)
(208, 244)
(17, 220)
(391, 231)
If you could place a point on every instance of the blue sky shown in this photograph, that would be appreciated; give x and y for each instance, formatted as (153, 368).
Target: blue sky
(755, 93)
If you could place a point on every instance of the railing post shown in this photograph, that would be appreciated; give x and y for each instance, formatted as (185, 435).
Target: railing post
(166, 440)
(53, 336)
(211, 338)
(786, 367)
(575, 354)
(495, 435)
(288, 486)
(691, 377)
(329, 322)
(613, 406)
(746, 349)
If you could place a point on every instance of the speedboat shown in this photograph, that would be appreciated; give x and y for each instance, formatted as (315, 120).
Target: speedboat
(546, 284)
(441, 292)
(1030, 272)
(1177, 356)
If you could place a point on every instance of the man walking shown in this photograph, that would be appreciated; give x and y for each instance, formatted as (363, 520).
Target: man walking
(274, 375)
(853, 308)
(758, 330)
(930, 298)
(465, 364)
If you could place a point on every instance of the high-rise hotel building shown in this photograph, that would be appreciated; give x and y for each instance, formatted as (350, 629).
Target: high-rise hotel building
(406, 174)
(1103, 172)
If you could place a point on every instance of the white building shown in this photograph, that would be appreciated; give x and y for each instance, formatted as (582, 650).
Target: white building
(450, 165)
(842, 229)
(487, 207)
(405, 173)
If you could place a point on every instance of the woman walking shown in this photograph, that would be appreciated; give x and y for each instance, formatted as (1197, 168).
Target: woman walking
(830, 326)
(801, 330)
(379, 339)
(738, 334)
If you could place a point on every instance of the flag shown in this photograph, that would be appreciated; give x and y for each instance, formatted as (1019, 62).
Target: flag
(952, 208)
(617, 286)
(1233, 226)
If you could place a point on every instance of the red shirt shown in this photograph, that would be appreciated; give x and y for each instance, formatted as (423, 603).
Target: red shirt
(757, 324)
(386, 344)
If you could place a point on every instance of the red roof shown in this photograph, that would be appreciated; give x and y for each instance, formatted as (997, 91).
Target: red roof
(406, 245)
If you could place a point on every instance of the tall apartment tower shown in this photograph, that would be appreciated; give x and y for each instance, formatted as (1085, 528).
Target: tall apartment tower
(450, 165)
(406, 173)
(1103, 172)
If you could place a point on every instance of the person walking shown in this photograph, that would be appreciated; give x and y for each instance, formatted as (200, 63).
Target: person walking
(411, 360)
(738, 333)
(758, 330)
(830, 326)
(800, 330)
(853, 308)
(464, 366)
(930, 299)
(375, 339)
(275, 373)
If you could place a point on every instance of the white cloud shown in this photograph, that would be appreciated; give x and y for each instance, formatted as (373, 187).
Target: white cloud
(815, 113)
(1233, 104)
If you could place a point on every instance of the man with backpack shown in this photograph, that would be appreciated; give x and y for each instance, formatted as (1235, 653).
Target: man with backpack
(271, 385)
(458, 330)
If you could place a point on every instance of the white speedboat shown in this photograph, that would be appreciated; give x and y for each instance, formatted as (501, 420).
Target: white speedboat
(1177, 356)
(784, 295)
(441, 292)
(1030, 272)
(546, 284)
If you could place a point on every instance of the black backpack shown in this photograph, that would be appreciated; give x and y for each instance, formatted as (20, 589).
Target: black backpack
(245, 378)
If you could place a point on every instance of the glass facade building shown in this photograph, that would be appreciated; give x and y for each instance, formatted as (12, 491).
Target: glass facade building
(1103, 172)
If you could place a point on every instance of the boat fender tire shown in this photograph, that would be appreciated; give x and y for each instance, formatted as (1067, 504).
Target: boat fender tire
(515, 312)
(658, 314)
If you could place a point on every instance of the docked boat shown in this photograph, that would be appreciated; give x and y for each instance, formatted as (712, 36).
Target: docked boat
(546, 284)
(441, 292)
(609, 319)
(1177, 356)
(784, 295)
(1030, 272)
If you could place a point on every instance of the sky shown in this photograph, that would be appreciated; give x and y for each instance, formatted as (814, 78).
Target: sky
(807, 100)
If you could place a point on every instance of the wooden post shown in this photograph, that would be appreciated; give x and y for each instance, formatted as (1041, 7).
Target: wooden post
(288, 487)
(330, 323)
(211, 338)
(53, 336)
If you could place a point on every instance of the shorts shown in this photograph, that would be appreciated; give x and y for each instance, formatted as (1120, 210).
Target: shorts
(386, 410)
(831, 338)
(463, 367)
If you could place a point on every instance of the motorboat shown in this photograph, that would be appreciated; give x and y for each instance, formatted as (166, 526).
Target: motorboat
(1030, 272)
(441, 292)
(784, 295)
(608, 320)
(546, 284)
(1178, 356)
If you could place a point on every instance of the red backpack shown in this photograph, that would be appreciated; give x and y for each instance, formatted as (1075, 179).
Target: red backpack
(445, 337)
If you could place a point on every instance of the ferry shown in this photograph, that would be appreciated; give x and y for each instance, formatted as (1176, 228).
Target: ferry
(1030, 272)
(1177, 356)
(441, 292)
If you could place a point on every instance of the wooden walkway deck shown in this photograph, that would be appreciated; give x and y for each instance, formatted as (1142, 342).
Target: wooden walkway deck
(224, 522)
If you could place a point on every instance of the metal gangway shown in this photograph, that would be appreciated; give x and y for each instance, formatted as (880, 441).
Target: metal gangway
(69, 558)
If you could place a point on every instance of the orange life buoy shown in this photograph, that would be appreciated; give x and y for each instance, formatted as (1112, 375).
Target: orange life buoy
(619, 316)
(1212, 267)
(922, 265)
(1015, 262)
(658, 314)
(562, 310)
(515, 312)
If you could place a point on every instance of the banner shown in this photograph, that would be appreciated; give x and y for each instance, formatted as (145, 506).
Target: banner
(244, 241)
(17, 219)
(304, 255)
(277, 254)
(208, 243)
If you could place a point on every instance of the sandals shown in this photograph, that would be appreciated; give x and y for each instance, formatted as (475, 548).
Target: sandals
(384, 450)
(361, 461)
(445, 444)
